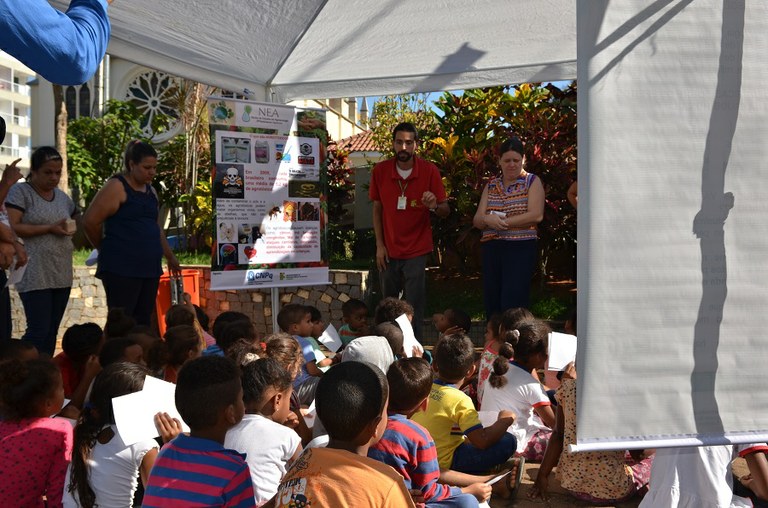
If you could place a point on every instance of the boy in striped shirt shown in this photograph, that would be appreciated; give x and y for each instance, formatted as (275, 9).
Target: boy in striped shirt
(409, 448)
(196, 470)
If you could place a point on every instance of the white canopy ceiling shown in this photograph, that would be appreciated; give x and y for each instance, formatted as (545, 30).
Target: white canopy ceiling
(291, 49)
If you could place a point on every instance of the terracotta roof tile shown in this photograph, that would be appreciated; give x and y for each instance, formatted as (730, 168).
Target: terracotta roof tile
(361, 142)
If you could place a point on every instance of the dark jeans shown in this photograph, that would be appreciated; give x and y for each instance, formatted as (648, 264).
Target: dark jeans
(409, 277)
(508, 267)
(135, 295)
(44, 309)
(6, 321)
(472, 460)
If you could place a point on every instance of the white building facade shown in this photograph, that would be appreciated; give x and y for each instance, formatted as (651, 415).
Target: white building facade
(15, 108)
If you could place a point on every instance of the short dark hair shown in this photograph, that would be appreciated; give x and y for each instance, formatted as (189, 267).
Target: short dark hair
(405, 127)
(119, 324)
(314, 313)
(410, 380)
(179, 314)
(349, 397)
(291, 314)
(510, 318)
(174, 350)
(454, 356)
(14, 349)
(457, 317)
(394, 335)
(206, 386)
(113, 350)
(235, 331)
(82, 340)
(224, 319)
(391, 308)
(23, 385)
(259, 375)
(352, 306)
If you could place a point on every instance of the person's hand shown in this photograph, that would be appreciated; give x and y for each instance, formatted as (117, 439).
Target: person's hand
(292, 420)
(59, 228)
(540, 488)
(382, 258)
(21, 254)
(507, 414)
(168, 427)
(429, 200)
(481, 491)
(173, 266)
(493, 221)
(416, 352)
(569, 372)
(417, 496)
(11, 175)
(92, 367)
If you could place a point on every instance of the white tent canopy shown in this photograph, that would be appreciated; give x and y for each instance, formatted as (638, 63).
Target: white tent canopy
(291, 49)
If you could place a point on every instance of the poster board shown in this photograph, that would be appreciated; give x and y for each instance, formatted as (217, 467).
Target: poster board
(269, 195)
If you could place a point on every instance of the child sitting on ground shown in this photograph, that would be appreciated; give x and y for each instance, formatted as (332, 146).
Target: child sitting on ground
(222, 321)
(316, 318)
(196, 469)
(513, 388)
(452, 321)
(295, 320)
(463, 444)
(355, 315)
(394, 336)
(121, 349)
(181, 344)
(79, 360)
(284, 348)
(496, 329)
(104, 470)
(408, 447)
(599, 477)
(352, 405)
(35, 449)
(268, 445)
(391, 308)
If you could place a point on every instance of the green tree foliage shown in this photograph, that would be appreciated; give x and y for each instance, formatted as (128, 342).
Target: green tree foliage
(462, 137)
(393, 109)
(95, 147)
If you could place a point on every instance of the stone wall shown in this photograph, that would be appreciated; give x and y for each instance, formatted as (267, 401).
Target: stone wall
(87, 301)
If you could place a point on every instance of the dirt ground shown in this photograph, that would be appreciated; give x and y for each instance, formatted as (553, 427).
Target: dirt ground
(557, 496)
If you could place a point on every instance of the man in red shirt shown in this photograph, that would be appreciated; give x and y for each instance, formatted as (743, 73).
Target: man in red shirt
(404, 191)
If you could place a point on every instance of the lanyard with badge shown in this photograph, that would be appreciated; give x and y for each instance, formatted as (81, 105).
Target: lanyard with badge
(402, 201)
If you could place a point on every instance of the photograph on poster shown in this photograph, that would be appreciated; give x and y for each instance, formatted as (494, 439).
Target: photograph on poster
(229, 183)
(309, 211)
(235, 149)
(226, 232)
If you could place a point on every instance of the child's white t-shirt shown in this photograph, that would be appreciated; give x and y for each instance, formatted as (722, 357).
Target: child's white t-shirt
(697, 477)
(113, 472)
(521, 394)
(267, 446)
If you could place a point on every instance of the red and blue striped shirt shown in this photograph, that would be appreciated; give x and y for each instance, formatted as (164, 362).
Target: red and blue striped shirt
(410, 450)
(195, 472)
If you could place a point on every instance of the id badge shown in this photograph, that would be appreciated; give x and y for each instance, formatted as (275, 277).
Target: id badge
(402, 201)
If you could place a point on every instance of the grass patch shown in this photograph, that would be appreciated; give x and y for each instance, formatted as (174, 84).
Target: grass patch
(185, 258)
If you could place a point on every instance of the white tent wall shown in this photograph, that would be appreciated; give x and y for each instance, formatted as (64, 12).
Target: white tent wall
(293, 49)
(673, 236)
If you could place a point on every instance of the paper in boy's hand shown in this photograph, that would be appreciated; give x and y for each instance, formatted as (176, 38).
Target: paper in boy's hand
(409, 338)
(310, 414)
(562, 350)
(135, 412)
(319, 357)
(16, 274)
(497, 478)
(330, 339)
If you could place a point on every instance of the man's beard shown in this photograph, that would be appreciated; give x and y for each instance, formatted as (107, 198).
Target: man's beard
(404, 156)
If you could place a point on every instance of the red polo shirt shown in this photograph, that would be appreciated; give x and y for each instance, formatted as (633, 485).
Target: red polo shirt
(407, 233)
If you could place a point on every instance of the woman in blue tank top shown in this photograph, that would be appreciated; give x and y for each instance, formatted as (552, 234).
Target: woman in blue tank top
(122, 223)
